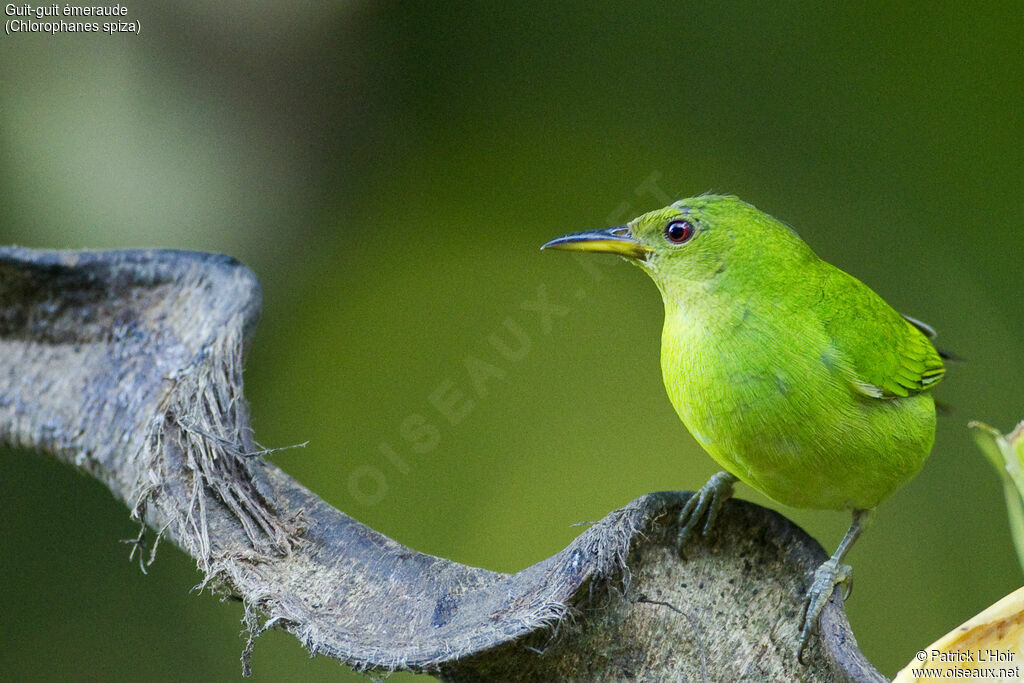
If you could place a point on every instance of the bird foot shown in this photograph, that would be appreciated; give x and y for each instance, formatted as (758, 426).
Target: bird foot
(704, 504)
(826, 577)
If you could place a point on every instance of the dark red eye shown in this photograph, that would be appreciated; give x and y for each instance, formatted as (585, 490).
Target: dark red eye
(678, 232)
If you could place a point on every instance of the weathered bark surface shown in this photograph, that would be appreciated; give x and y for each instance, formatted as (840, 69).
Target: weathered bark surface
(127, 365)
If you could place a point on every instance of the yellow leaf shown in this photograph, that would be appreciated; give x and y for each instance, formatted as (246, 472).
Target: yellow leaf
(989, 646)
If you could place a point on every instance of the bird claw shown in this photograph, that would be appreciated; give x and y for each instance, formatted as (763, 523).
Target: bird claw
(826, 577)
(704, 504)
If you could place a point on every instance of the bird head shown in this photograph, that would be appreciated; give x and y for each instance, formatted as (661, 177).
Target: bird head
(694, 240)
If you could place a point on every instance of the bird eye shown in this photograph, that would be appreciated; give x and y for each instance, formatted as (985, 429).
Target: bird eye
(678, 232)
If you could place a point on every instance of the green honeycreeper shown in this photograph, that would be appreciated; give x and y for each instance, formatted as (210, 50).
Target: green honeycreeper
(794, 376)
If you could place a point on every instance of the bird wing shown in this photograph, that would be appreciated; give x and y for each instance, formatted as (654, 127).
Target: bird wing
(886, 355)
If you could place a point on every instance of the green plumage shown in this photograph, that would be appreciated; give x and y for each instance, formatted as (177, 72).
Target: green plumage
(794, 376)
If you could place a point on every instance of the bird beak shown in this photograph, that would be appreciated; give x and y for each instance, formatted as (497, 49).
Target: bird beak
(618, 240)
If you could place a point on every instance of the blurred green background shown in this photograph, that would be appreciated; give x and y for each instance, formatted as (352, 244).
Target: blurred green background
(389, 171)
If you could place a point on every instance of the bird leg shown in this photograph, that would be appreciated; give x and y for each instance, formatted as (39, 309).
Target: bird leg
(704, 504)
(829, 575)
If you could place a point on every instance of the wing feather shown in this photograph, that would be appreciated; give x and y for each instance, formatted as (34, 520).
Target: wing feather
(887, 355)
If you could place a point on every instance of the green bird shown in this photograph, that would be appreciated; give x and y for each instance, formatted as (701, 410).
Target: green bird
(794, 376)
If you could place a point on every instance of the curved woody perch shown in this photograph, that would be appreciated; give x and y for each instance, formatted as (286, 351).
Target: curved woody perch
(127, 365)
